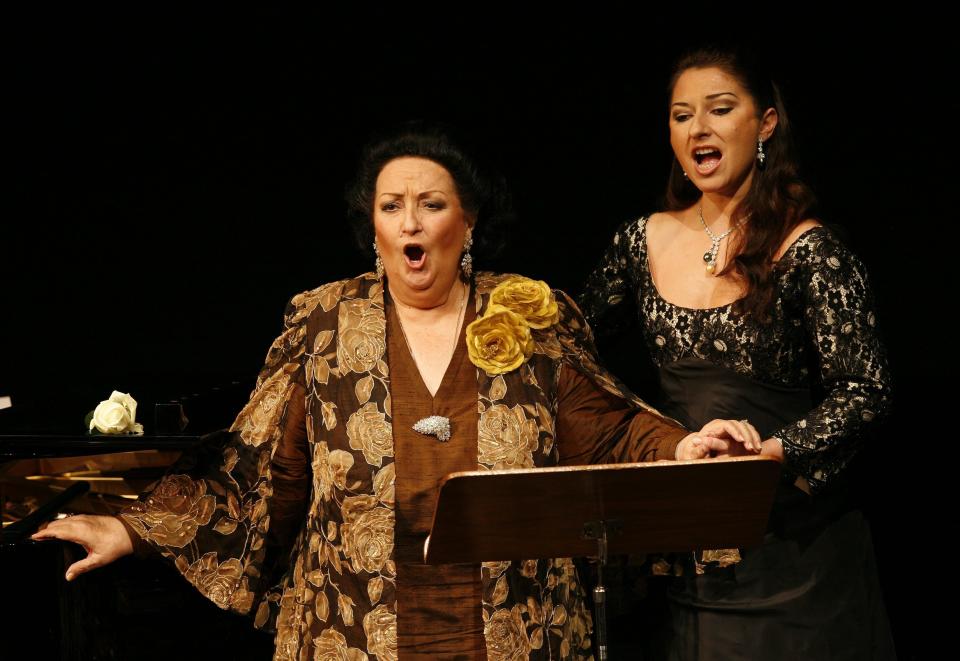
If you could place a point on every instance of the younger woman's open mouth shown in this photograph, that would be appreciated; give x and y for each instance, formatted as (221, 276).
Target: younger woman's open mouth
(414, 256)
(707, 158)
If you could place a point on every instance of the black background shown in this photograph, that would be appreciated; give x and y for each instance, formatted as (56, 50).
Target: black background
(177, 175)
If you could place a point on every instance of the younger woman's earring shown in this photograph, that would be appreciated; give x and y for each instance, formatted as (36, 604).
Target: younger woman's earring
(761, 157)
(378, 264)
(466, 262)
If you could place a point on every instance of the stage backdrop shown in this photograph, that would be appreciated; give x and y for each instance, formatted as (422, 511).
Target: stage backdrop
(177, 176)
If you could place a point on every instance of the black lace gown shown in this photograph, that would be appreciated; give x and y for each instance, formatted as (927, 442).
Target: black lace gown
(811, 590)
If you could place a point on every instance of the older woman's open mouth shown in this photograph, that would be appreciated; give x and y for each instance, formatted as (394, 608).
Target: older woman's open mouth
(707, 158)
(414, 256)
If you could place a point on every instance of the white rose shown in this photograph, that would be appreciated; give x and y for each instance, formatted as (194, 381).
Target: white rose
(116, 415)
(126, 401)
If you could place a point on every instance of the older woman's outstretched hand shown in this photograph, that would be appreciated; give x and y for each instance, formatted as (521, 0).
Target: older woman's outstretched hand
(728, 438)
(104, 538)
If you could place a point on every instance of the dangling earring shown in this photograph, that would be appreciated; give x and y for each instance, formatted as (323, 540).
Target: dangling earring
(378, 264)
(761, 157)
(466, 262)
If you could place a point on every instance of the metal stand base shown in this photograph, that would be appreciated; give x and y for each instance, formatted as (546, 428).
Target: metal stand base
(599, 530)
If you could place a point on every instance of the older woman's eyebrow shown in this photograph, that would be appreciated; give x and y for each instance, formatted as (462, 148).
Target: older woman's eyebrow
(421, 194)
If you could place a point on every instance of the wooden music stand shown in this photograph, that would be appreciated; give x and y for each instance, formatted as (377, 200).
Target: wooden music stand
(596, 510)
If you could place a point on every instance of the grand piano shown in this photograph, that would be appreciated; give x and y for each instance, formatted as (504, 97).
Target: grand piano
(136, 608)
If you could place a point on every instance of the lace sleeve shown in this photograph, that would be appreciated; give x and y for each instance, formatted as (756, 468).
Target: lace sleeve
(607, 300)
(838, 313)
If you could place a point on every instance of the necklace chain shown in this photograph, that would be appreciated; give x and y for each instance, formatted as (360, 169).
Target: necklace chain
(456, 335)
(710, 257)
(436, 425)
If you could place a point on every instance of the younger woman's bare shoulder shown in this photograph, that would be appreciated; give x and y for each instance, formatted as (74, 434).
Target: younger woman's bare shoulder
(662, 227)
(658, 220)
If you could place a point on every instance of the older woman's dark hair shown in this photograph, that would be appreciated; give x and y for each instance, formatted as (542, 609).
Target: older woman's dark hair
(483, 193)
(777, 201)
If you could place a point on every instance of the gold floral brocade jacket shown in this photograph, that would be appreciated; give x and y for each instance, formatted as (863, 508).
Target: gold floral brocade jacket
(330, 592)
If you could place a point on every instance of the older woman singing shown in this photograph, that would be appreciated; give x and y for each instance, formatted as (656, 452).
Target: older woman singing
(311, 511)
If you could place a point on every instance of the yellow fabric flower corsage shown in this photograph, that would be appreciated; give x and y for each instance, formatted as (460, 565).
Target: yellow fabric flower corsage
(500, 340)
(531, 299)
